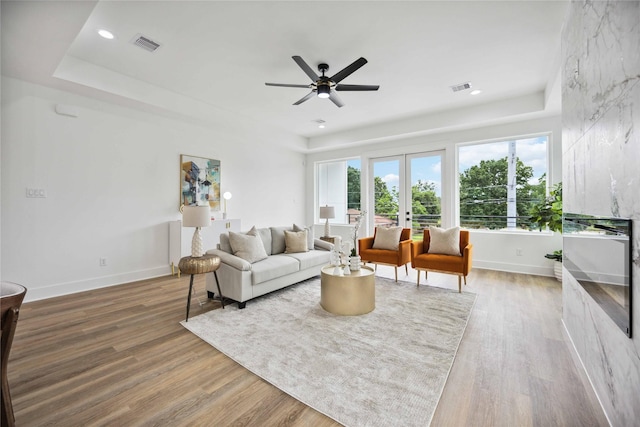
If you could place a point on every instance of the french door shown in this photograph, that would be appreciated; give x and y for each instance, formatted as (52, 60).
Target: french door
(406, 190)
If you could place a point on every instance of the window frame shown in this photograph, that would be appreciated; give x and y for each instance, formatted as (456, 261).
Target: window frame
(550, 180)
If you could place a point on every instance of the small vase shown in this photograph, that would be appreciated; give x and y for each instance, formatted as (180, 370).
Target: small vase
(346, 270)
(355, 263)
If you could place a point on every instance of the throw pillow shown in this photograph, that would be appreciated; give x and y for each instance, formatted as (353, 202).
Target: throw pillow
(310, 236)
(446, 242)
(277, 239)
(247, 246)
(387, 238)
(295, 241)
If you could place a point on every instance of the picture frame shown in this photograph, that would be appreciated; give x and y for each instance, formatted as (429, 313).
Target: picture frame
(199, 181)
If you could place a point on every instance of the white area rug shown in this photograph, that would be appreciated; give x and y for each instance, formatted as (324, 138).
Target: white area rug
(387, 367)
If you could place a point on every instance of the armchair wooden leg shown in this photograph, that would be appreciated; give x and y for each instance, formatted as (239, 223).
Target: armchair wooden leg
(465, 280)
(418, 282)
(459, 284)
(406, 269)
(396, 270)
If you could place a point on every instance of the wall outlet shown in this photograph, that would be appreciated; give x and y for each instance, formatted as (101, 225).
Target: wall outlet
(518, 251)
(103, 262)
(36, 193)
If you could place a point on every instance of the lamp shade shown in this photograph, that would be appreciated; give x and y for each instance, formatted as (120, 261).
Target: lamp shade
(196, 216)
(327, 212)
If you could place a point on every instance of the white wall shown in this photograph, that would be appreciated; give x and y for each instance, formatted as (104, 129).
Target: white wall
(492, 250)
(112, 181)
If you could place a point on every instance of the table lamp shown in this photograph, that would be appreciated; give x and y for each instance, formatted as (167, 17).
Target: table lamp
(196, 216)
(327, 212)
(226, 197)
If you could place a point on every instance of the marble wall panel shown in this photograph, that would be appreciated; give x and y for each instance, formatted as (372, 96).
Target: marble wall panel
(601, 174)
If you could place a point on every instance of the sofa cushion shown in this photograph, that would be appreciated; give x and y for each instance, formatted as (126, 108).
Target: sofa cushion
(310, 235)
(224, 243)
(265, 235)
(247, 246)
(273, 267)
(446, 242)
(295, 241)
(277, 239)
(312, 259)
(387, 238)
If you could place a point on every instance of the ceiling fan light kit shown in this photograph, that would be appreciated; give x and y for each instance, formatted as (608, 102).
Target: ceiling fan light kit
(323, 91)
(322, 85)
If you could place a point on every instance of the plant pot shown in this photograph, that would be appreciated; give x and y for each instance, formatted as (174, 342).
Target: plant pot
(557, 270)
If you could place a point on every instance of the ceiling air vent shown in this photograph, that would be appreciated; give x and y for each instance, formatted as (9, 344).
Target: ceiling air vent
(145, 43)
(461, 86)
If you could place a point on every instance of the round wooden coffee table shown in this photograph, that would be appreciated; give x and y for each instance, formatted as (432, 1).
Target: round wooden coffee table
(350, 295)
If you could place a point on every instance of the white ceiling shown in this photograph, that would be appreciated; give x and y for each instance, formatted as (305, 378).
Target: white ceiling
(216, 56)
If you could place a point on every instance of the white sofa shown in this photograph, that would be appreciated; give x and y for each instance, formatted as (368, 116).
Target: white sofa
(241, 280)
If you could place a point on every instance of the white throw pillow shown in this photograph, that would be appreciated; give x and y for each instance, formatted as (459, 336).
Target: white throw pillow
(247, 246)
(387, 238)
(446, 242)
(295, 241)
(310, 236)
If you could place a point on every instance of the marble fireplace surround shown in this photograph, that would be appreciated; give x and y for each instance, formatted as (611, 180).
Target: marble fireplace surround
(601, 148)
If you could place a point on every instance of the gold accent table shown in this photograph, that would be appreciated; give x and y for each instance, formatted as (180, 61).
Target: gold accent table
(330, 239)
(350, 295)
(200, 265)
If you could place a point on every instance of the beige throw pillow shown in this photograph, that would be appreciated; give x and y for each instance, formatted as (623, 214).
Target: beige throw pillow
(446, 242)
(387, 238)
(247, 246)
(295, 241)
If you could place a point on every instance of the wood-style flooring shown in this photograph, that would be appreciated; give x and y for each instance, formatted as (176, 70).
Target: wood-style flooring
(118, 356)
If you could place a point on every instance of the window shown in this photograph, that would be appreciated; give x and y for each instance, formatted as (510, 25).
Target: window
(500, 181)
(338, 185)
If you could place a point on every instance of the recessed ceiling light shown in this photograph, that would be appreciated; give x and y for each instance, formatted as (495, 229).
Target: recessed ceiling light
(320, 122)
(106, 34)
(475, 92)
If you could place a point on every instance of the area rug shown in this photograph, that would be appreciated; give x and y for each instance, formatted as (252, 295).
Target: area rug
(387, 367)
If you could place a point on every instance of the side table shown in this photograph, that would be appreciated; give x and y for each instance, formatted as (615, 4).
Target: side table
(331, 239)
(200, 265)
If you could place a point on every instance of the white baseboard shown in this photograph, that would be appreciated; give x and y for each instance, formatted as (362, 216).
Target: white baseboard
(59, 289)
(514, 268)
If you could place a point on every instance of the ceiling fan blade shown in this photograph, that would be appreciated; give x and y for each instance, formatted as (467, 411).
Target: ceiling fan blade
(308, 70)
(305, 98)
(340, 75)
(336, 99)
(287, 85)
(357, 87)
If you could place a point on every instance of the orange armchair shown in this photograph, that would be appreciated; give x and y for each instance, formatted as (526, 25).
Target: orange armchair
(421, 260)
(396, 258)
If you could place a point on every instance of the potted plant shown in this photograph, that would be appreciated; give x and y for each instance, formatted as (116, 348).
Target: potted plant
(548, 213)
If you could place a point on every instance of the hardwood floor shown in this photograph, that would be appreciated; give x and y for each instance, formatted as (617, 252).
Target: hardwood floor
(118, 356)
